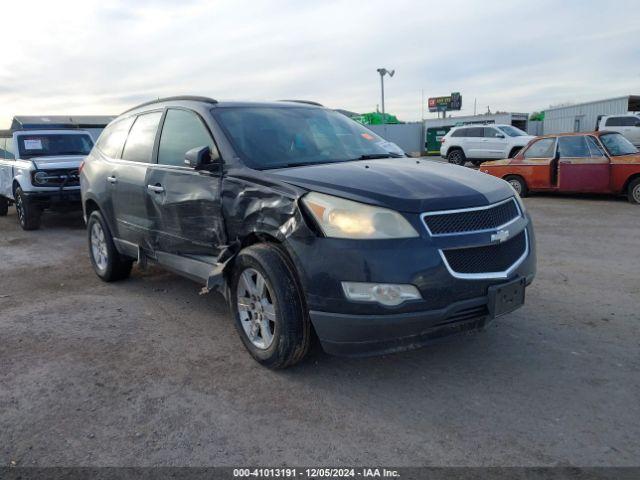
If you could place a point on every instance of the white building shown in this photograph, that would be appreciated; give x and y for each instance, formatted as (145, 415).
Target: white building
(583, 117)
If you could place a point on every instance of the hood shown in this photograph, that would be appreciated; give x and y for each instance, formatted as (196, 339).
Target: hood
(51, 163)
(402, 184)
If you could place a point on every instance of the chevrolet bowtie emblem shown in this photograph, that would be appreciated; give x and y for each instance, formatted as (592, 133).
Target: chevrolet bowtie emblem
(500, 236)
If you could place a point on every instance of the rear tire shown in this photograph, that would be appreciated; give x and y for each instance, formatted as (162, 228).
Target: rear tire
(28, 215)
(107, 262)
(268, 306)
(518, 184)
(4, 206)
(633, 193)
(457, 157)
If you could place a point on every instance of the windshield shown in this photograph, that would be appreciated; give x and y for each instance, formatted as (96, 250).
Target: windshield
(44, 145)
(272, 137)
(512, 131)
(616, 144)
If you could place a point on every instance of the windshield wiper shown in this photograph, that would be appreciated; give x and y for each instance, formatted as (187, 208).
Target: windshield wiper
(374, 156)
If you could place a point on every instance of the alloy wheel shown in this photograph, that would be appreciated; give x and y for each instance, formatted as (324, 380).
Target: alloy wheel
(99, 247)
(635, 193)
(20, 209)
(517, 186)
(256, 308)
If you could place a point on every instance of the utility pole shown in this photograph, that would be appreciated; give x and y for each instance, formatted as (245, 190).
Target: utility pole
(383, 72)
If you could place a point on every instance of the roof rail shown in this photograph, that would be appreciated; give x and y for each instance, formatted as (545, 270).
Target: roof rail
(308, 102)
(193, 98)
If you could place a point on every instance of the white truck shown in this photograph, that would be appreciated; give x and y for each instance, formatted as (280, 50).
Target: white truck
(628, 125)
(39, 171)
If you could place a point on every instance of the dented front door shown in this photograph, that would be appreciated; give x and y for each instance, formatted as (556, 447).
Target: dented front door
(186, 201)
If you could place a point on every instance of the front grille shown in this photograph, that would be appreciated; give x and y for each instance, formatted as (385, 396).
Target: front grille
(472, 220)
(487, 259)
(56, 178)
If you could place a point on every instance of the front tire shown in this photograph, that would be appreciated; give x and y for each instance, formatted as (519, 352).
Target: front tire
(28, 215)
(4, 206)
(268, 307)
(518, 184)
(107, 262)
(457, 157)
(633, 193)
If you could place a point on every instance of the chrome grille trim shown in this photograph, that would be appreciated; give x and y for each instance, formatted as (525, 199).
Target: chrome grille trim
(472, 209)
(489, 275)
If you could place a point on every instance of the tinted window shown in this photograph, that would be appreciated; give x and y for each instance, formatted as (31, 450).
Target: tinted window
(475, 132)
(112, 138)
(139, 144)
(277, 137)
(2, 148)
(594, 147)
(461, 132)
(512, 131)
(492, 132)
(181, 132)
(573, 147)
(616, 144)
(543, 148)
(51, 144)
(622, 122)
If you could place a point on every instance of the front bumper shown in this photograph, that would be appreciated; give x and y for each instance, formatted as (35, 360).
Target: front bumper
(361, 335)
(449, 304)
(54, 199)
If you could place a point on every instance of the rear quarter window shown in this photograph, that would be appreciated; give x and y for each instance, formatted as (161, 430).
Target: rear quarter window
(139, 144)
(113, 137)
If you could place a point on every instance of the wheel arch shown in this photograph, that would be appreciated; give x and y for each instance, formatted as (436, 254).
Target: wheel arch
(14, 186)
(630, 179)
(455, 147)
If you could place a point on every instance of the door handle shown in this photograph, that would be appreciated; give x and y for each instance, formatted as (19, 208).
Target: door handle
(155, 188)
(112, 180)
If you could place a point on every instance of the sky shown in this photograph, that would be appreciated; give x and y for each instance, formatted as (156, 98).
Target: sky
(85, 57)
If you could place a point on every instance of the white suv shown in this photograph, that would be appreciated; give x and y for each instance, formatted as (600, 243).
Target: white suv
(479, 143)
(628, 125)
(39, 170)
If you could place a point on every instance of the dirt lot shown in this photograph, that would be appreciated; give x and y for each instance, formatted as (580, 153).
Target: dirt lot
(147, 372)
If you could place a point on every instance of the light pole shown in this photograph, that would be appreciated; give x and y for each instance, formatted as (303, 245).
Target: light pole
(383, 72)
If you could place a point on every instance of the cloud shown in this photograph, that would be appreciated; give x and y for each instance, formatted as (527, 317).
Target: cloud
(97, 57)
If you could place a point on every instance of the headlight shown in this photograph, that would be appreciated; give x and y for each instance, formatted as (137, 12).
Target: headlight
(41, 177)
(340, 218)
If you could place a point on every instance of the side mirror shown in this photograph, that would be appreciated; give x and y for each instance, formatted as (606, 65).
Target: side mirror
(500, 135)
(199, 158)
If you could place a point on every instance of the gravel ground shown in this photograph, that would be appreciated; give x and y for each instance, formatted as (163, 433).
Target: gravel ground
(148, 372)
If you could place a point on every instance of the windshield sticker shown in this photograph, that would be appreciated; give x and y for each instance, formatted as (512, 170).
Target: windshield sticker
(366, 136)
(33, 144)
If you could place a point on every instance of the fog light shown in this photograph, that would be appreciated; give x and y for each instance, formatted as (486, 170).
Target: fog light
(384, 293)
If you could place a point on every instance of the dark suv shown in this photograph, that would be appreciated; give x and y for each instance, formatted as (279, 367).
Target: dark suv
(307, 222)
